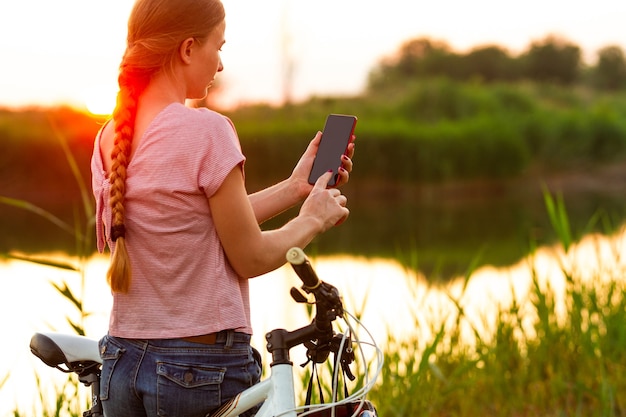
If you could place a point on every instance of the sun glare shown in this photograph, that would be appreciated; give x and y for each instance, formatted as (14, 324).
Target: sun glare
(100, 100)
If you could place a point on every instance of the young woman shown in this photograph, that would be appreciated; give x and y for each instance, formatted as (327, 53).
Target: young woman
(173, 208)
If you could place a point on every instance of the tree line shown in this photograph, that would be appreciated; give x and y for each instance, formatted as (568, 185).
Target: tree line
(552, 59)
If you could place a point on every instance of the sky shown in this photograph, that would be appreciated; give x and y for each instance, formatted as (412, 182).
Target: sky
(68, 51)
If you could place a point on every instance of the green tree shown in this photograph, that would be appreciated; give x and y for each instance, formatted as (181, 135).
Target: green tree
(416, 58)
(553, 59)
(490, 63)
(610, 70)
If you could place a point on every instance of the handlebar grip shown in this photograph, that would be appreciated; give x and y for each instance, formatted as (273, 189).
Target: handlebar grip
(300, 263)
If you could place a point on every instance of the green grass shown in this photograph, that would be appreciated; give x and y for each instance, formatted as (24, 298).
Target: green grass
(550, 353)
(555, 350)
(537, 360)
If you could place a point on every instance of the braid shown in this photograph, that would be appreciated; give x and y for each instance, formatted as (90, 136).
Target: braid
(119, 274)
(156, 29)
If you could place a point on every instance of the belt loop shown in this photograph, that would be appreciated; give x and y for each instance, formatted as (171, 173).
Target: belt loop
(230, 337)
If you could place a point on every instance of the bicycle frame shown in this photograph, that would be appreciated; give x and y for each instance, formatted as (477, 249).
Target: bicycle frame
(276, 393)
(79, 354)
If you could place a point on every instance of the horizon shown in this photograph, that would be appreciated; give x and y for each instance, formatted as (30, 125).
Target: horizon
(72, 58)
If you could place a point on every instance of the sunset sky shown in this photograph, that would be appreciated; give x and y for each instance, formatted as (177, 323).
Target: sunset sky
(69, 50)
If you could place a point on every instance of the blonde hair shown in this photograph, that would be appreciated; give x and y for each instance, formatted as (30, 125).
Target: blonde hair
(156, 29)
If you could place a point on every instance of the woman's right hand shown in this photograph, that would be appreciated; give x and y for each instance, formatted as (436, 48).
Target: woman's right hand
(252, 251)
(327, 205)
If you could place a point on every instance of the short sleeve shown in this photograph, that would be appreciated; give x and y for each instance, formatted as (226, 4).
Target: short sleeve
(222, 154)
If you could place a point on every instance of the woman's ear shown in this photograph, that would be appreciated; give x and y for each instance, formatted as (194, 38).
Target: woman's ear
(185, 50)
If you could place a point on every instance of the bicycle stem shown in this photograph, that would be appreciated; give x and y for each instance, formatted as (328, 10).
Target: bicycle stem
(329, 307)
(279, 341)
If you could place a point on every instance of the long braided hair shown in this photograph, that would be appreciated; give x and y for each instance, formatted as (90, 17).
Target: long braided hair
(156, 29)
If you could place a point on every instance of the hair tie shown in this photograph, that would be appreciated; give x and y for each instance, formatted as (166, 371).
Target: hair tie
(117, 231)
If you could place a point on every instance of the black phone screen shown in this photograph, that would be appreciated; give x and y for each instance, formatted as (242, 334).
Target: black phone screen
(335, 138)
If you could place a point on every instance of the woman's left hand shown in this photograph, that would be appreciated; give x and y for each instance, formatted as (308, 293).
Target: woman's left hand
(301, 172)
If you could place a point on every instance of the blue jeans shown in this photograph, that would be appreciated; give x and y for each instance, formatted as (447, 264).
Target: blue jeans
(173, 377)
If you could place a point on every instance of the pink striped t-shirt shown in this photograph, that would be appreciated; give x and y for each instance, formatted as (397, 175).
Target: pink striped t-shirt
(182, 284)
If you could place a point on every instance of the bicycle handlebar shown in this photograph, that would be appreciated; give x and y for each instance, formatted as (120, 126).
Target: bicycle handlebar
(328, 304)
(303, 268)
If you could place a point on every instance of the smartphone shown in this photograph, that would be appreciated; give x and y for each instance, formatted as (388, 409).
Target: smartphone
(336, 135)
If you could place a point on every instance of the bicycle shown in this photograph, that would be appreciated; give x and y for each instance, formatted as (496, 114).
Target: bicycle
(79, 354)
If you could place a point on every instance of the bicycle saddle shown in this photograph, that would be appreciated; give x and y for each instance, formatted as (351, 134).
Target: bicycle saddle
(73, 351)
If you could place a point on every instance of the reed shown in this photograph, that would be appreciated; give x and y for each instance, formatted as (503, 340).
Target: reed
(67, 399)
(548, 354)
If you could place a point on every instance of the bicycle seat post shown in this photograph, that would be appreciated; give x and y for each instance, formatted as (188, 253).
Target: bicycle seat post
(93, 379)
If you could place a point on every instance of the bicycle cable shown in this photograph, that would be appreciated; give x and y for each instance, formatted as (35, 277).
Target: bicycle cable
(368, 381)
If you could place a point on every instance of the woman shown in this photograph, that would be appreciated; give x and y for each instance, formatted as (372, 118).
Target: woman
(173, 208)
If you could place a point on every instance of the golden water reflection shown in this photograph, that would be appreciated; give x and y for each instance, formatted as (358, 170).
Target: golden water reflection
(389, 298)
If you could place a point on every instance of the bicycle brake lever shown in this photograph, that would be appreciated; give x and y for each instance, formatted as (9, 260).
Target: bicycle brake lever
(346, 354)
(347, 372)
(297, 295)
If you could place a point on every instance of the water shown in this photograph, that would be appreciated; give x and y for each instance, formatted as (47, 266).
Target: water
(29, 303)
(390, 299)
(446, 224)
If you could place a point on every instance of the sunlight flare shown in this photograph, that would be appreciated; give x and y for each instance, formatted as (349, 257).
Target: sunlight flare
(100, 100)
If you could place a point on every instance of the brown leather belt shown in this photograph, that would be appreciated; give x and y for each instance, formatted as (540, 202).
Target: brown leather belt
(205, 339)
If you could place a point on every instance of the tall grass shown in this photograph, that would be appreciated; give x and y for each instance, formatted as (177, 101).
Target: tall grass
(67, 399)
(553, 353)
(537, 360)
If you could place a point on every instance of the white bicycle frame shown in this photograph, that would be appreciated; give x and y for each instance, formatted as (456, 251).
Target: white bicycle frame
(276, 393)
(278, 396)
(79, 354)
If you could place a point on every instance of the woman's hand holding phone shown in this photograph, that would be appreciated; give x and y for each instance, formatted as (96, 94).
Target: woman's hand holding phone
(302, 170)
(337, 136)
